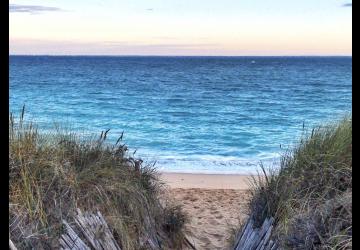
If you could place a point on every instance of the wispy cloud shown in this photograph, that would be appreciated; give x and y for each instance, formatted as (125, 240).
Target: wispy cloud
(347, 5)
(33, 9)
(160, 45)
(62, 47)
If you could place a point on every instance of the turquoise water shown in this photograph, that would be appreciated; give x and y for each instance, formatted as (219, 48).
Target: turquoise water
(190, 114)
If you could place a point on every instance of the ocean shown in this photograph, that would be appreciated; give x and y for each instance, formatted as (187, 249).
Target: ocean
(187, 114)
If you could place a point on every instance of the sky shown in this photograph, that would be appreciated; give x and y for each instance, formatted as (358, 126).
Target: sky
(180, 27)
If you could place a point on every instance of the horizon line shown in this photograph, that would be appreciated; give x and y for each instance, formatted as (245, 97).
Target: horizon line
(105, 55)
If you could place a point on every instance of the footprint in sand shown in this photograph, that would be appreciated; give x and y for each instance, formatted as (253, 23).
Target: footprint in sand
(205, 240)
(214, 212)
(219, 217)
(216, 235)
(194, 199)
(213, 222)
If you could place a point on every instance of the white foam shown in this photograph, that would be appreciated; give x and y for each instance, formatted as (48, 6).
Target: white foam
(212, 163)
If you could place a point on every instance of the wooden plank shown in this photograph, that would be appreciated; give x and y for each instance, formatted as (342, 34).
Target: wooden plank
(68, 243)
(108, 232)
(275, 246)
(269, 245)
(96, 231)
(256, 238)
(11, 245)
(262, 233)
(86, 228)
(249, 242)
(109, 239)
(245, 235)
(266, 239)
(192, 246)
(267, 236)
(265, 227)
(239, 237)
(77, 242)
(63, 244)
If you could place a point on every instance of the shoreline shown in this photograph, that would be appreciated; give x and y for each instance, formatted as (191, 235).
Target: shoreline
(206, 181)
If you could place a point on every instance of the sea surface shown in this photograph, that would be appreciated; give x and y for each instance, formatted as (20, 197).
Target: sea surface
(189, 114)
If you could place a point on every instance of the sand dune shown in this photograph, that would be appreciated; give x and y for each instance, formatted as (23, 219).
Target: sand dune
(212, 211)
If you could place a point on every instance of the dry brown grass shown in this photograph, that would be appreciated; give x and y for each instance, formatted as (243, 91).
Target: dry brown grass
(53, 174)
(310, 196)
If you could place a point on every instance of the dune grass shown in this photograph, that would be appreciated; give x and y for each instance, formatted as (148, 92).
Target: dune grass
(310, 195)
(52, 174)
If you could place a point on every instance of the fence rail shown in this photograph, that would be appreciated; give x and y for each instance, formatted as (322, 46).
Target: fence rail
(252, 238)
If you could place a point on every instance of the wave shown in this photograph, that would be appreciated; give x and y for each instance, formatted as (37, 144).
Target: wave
(212, 164)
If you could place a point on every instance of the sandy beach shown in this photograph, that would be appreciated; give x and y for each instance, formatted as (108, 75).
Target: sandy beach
(214, 203)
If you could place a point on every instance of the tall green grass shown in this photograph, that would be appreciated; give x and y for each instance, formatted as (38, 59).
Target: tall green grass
(310, 195)
(52, 174)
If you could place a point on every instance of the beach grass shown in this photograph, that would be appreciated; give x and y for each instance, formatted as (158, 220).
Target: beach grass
(52, 174)
(310, 195)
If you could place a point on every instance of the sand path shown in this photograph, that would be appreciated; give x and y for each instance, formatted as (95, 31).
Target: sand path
(212, 211)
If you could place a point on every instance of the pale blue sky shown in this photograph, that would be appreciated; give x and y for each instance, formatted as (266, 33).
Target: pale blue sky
(181, 27)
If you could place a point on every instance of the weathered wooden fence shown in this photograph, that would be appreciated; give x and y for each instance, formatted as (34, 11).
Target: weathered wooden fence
(90, 231)
(252, 238)
(97, 235)
(95, 231)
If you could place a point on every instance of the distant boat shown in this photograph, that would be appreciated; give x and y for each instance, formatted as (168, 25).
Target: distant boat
(252, 61)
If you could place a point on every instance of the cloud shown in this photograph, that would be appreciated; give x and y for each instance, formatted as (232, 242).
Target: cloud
(113, 48)
(33, 9)
(347, 5)
(112, 44)
(57, 47)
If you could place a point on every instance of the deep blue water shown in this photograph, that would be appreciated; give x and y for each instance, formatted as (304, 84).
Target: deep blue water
(191, 114)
